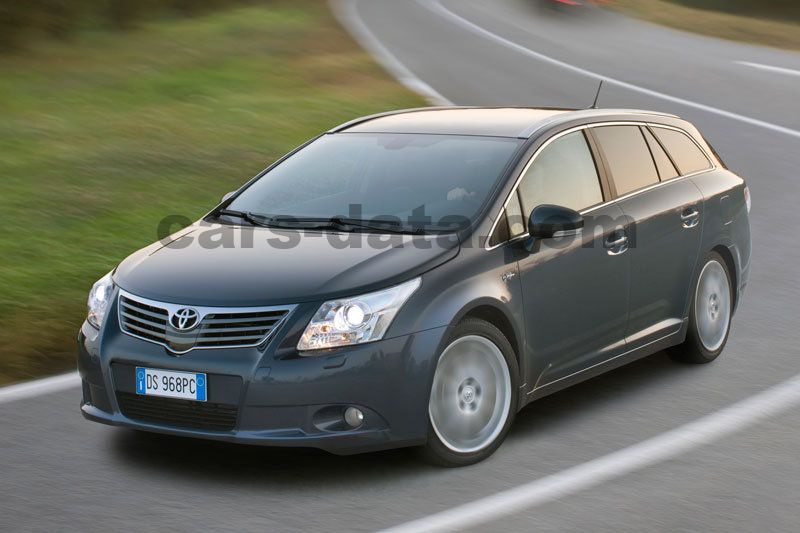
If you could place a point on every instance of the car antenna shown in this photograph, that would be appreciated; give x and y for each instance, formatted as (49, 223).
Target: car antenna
(596, 96)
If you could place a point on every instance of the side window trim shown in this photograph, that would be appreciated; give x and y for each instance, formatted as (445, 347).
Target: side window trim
(595, 153)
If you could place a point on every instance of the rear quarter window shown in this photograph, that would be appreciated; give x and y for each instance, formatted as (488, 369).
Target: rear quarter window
(688, 157)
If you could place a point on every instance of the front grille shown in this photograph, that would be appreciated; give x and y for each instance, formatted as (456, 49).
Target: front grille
(178, 413)
(237, 329)
(217, 327)
(143, 320)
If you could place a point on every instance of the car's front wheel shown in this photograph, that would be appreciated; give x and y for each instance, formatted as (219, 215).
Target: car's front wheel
(474, 395)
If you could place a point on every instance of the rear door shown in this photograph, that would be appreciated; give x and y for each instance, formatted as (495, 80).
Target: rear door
(664, 215)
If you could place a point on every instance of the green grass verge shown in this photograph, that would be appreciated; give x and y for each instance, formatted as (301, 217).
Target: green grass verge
(102, 138)
(780, 29)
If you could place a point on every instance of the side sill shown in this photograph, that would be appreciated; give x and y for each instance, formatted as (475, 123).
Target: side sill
(601, 368)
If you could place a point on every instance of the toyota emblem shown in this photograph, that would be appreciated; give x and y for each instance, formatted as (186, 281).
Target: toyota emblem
(184, 319)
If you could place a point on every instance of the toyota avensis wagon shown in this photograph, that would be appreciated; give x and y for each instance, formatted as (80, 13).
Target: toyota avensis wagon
(415, 278)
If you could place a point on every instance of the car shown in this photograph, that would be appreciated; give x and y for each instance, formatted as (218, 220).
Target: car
(415, 278)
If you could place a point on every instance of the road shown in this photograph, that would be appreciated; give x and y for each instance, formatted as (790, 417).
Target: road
(62, 473)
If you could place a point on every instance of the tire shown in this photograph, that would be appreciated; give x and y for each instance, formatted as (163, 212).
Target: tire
(475, 380)
(710, 314)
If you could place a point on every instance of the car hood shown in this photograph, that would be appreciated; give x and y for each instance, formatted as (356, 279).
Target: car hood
(232, 266)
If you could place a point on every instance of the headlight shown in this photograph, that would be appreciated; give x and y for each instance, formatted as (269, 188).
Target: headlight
(99, 297)
(355, 320)
(747, 200)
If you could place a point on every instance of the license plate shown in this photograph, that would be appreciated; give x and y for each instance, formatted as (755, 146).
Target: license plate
(171, 384)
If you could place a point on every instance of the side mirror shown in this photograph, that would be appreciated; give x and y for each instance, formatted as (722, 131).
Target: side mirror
(546, 220)
(227, 195)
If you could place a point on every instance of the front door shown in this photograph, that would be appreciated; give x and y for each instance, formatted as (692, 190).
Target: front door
(575, 288)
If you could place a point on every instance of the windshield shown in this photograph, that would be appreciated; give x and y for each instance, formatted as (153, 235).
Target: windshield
(426, 181)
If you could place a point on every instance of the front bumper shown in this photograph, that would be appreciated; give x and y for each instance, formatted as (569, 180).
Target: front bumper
(266, 395)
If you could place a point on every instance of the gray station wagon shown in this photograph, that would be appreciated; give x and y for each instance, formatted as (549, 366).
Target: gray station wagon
(415, 278)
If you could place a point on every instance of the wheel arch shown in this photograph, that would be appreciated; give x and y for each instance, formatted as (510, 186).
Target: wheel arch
(492, 312)
(730, 262)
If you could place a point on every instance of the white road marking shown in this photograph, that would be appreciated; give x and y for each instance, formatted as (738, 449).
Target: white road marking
(770, 68)
(347, 13)
(437, 7)
(614, 465)
(39, 387)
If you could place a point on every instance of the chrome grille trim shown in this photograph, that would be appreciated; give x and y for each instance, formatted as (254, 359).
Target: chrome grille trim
(218, 327)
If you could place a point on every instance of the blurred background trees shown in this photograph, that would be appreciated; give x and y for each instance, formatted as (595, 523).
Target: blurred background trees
(777, 9)
(21, 20)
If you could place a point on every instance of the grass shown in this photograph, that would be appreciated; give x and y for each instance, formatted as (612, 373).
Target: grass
(780, 29)
(102, 138)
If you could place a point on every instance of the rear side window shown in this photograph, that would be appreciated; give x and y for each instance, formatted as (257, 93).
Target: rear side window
(627, 156)
(563, 174)
(683, 150)
(666, 170)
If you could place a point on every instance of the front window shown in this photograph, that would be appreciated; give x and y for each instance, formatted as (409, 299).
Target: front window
(564, 174)
(421, 180)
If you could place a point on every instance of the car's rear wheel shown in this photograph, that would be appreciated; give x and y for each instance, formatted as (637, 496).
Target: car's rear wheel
(709, 315)
(474, 395)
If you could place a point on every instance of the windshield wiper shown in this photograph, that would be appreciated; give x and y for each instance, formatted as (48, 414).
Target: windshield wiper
(334, 223)
(348, 224)
(255, 220)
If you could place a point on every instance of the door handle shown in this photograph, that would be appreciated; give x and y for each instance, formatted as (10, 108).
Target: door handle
(616, 246)
(617, 242)
(690, 217)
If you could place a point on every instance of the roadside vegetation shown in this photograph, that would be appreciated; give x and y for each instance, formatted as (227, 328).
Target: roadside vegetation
(767, 22)
(25, 21)
(105, 133)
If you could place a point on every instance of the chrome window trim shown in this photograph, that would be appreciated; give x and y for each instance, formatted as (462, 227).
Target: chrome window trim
(608, 202)
(202, 312)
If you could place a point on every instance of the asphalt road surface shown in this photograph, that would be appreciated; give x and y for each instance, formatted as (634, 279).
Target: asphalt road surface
(60, 472)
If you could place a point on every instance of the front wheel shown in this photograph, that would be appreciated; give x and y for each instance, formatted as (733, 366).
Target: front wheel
(474, 395)
(710, 314)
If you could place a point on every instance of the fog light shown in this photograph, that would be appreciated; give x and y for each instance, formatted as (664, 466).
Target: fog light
(354, 417)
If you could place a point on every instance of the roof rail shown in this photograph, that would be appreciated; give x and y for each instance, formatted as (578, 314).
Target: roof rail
(591, 112)
(361, 120)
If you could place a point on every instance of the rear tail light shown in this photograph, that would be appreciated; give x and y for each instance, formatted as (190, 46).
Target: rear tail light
(747, 198)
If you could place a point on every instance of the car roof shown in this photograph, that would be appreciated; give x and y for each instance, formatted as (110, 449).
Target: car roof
(520, 122)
